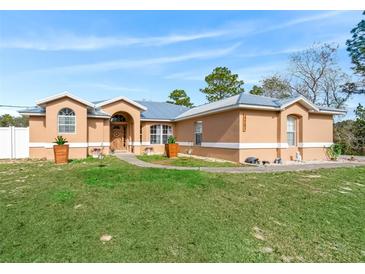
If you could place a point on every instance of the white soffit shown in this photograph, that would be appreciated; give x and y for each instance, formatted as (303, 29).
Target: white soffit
(64, 94)
(301, 100)
(121, 98)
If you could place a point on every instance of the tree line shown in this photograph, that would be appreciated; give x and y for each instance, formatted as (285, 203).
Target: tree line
(7, 120)
(313, 73)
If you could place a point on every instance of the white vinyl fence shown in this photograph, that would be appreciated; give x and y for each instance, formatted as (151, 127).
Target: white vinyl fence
(14, 142)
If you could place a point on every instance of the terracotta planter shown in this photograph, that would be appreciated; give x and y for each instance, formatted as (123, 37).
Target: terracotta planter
(60, 154)
(171, 150)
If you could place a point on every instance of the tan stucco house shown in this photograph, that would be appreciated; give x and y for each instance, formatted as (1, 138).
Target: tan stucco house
(234, 128)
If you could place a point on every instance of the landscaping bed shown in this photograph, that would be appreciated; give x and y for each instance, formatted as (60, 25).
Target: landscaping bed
(109, 211)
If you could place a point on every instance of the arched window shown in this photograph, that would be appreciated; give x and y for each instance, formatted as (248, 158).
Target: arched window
(118, 118)
(291, 130)
(66, 121)
(160, 133)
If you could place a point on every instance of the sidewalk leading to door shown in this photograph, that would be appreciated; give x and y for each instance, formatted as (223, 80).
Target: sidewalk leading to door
(132, 159)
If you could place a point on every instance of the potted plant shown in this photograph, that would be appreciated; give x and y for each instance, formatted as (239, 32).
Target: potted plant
(171, 147)
(60, 150)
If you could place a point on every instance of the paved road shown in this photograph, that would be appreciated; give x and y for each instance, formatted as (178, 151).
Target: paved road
(132, 159)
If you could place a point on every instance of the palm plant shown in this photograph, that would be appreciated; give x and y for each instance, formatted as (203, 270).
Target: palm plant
(171, 140)
(60, 140)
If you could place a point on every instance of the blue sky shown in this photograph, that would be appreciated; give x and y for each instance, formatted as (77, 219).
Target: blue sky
(146, 54)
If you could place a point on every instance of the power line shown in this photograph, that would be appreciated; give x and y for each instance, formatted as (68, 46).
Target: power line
(14, 106)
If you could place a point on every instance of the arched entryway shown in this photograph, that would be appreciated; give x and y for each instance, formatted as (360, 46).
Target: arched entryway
(120, 132)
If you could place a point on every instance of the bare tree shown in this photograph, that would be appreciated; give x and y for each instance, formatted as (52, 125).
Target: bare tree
(334, 91)
(315, 75)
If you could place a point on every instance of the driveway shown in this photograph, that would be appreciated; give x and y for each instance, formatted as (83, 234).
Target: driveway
(132, 159)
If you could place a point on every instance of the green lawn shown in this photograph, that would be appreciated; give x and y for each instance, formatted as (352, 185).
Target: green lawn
(184, 161)
(52, 213)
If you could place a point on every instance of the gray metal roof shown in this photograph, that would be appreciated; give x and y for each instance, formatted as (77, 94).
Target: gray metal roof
(231, 101)
(155, 110)
(161, 110)
(40, 110)
(97, 102)
(35, 110)
(167, 111)
(97, 112)
(239, 99)
(250, 99)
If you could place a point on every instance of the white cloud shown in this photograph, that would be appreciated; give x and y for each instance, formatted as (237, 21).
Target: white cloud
(58, 40)
(142, 63)
(69, 41)
(191, 76)
(111, 87)
(271, 52)
(176, 38)
(304, 19)
(245, 28)
(340, 41)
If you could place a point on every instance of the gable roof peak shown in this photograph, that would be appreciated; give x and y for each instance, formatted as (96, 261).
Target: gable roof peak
(61, 95)
(300, 98)
(119, 98)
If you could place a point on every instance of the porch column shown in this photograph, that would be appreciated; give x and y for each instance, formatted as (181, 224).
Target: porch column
(281, 133)
(136, 136)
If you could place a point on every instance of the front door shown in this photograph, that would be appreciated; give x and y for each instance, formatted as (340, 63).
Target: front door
(118, 136)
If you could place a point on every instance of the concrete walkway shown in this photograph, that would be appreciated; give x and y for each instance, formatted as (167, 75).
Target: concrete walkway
(132, 159)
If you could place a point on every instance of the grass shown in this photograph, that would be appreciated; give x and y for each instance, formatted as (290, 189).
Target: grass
(184, 161)
(51, 213)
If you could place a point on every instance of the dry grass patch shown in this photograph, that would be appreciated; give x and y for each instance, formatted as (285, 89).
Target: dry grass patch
(50, 213)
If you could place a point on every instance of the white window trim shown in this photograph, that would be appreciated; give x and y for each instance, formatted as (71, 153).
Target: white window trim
(58, 123)
(294, 132)
(161, 133)
(201, 133)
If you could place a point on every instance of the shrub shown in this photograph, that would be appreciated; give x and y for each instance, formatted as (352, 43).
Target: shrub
(171, 140)
(334, 151)
(60, 140)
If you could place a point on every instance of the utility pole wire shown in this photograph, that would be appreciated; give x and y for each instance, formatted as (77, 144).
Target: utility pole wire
(14, 106)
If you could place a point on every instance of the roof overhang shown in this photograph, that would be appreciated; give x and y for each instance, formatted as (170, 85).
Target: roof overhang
(156, 120)
(333, 112)
(258, 107)
(43, 114)
(231, 107)
(31, 114)
(305, 102)
(64, 94)
(119, 98)
(98, 116)
(312, 109)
